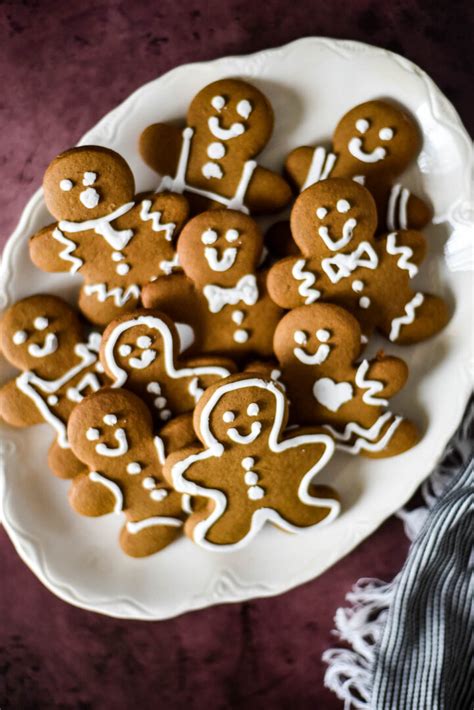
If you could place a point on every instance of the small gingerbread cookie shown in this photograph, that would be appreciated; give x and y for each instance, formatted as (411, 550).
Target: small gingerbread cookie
(211, 161)
(222, 294)
(116, 241)
(317, 347)
(333, 223)
(373, 144)
(249, 472)
(43, 337)
(140, 351)
(111, 432)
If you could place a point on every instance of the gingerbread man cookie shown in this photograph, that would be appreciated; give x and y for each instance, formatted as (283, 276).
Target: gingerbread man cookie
(333, 223)
(116, 241)
(111, 432)
(139, 351)
(249, 472)
(222, 294)
(373, 144)
(212, 160)
(317, 347)
(43, 337)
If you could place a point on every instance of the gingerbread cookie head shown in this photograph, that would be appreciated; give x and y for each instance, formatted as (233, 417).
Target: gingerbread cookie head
(87, 183)
(40, 333)
(232, 115)
(219, 246)
(377, 137)
(333, 215)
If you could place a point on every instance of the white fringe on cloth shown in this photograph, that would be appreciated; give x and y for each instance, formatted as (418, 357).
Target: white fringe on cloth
(350, 670)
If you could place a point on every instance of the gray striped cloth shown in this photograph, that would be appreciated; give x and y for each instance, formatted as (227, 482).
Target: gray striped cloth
(413, 639)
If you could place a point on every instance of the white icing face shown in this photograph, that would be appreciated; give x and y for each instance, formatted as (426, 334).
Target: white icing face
(343, 206)
(235, 434)
(322, 351)
(141, 351)
(226, 260)
(49, 346)
(356, 143)
(110, 420)
(244, 109)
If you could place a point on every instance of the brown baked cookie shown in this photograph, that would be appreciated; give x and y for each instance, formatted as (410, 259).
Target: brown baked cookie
(247, 470)
(317, 347)
(115, 240)
(373, 144)
(211, 161)
(111, 432)
(43, 337)
(333, 223)
(140, 351)
(222, 294)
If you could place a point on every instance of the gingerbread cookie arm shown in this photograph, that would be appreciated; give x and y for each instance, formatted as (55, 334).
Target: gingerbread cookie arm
(391, 372)
(90, 497)
(408, 247)
(267, 192)
(298, 165)
(422, 316)
(52, 251)
(16, 408)
(172, 295)
(291, 283)
(63, 463)
(109, 300)
(171, 211)
(160, 147)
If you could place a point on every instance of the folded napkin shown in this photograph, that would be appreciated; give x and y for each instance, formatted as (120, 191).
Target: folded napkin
(413, 639)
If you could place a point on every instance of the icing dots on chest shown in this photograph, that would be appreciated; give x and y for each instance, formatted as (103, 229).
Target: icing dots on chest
(251, 478)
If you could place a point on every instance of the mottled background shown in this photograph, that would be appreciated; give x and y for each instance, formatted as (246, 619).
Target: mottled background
(63, 64)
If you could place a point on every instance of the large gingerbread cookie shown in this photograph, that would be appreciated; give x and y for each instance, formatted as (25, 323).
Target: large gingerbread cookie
(43, 337)
(140, 351)
(333, 223)
(250, 472)
(111, 432)
(373, 144)
(317, 347)
(212, 160)
(118, 242)
(222, 294)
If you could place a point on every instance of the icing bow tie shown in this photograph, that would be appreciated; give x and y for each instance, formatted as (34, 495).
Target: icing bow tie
(245, 290)
(342, 265)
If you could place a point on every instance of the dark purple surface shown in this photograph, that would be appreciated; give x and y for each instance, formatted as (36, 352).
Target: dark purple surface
(62, 66)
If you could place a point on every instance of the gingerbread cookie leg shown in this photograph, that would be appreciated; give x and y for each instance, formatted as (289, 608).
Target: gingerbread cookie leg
(16, 408)
(63, 463)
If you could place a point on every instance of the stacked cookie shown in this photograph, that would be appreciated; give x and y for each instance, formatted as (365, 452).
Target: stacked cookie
(205, 377)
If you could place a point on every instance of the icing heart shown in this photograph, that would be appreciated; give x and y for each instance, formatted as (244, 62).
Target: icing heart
(330, 394)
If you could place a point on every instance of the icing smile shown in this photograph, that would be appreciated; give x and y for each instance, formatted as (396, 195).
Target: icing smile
(224, 134)
(226, 261)
(317, 358)
(356, 149)
(119, 450)
(347, 233)
(238, 438)
(143, 361)
(49, 346)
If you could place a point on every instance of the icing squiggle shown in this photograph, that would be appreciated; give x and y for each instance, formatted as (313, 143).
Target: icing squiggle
(304, 289)
(408, 317)
(320, 168)
(140, 525)
(372, 386)
(405, 255)
(67, 253)
(119, 295)
(402, 194)
(113, 488)
(362, 443)
(155, 218)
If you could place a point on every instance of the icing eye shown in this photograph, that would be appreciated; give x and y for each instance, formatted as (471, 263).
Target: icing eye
(125, 350)
(244, 108)
(323, 335)
(253, 409)
(110, 419)
(66, 185)
(218, 102)
(228, 417)
(386, 134)
(20, 337)
(209, 236)
(144, 341)
(362, 125)
(357, 286)
(40, 323)
(216, 150)
(133, 468)
(343, 206)
(92, 434)
(89, 179)
(231, 235)
(321, 212)
(300, 337)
